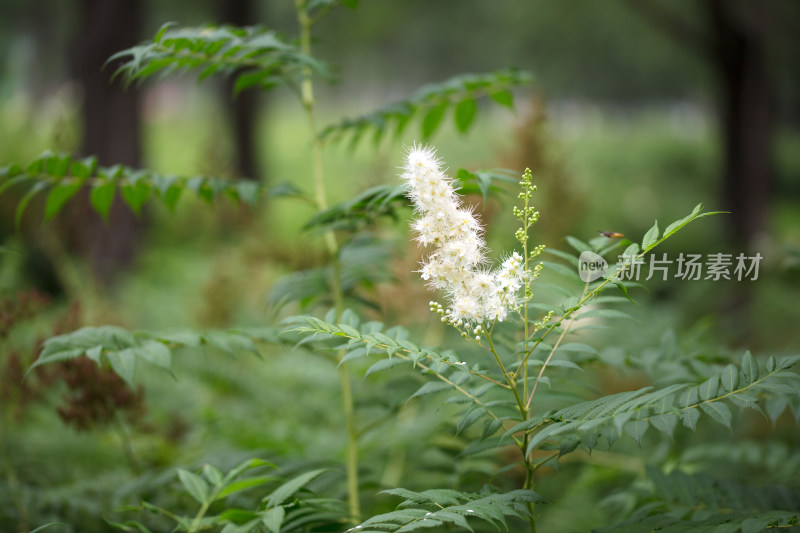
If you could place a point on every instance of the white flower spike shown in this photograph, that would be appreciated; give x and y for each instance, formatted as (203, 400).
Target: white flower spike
(454, 265)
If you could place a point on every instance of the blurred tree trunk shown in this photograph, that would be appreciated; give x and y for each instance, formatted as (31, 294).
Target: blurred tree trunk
(243, 109)
(111, 126)
(740, 64)
(732, 40)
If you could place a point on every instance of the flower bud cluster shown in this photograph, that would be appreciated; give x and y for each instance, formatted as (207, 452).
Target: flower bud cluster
(467, 330)
(527, 214)
(543, 322)
(455, 264)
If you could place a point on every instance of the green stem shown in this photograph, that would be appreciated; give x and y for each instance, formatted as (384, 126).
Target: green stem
(448, 363)
(195, 525)
(529, 468)
(307, 96)
(526, 225)
(586, 297)
(127, 446)
(460, 389)
(510, 379)
(547, 361)
(352, 444)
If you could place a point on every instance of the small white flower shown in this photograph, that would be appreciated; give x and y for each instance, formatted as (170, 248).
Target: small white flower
(482, 284)
(466, 309)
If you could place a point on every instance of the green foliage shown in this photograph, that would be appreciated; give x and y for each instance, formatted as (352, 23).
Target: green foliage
(438, 507)
(485, 182)
(371, 339)
(364, 262)
(490, 397)
(364, 209)
(360, 211)
(431, 102)
(771, 460)
(680, 502)
(288, 506)
(651, 239)
(490, 384)
(255, 56)
(503, 402)
(123, 350)
(633, 412)
(63, 176)
(609, 417)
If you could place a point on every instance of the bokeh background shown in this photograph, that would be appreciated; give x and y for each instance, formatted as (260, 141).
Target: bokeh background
(639, 110)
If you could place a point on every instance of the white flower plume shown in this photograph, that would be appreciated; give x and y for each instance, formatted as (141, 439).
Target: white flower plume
(455, 264)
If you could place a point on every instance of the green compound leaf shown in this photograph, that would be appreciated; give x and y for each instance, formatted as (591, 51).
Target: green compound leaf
(366, 208)
(256, 56)
(123, 349)
(681, 502)
(431, 102)
(135, 186)
(444, 507)
(633, 411)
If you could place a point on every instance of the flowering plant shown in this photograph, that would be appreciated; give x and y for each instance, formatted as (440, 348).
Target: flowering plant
(494, 310)
(508, 361)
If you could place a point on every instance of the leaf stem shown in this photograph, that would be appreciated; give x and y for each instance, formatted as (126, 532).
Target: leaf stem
(547, 361)
(125, 440)
(448, 363)
(523, 445)
(510, 378)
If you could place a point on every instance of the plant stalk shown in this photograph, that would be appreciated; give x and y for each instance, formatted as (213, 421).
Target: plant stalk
(511, 378)
(529, 468)
(197, 522)
(307, 96)
(127, 446)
